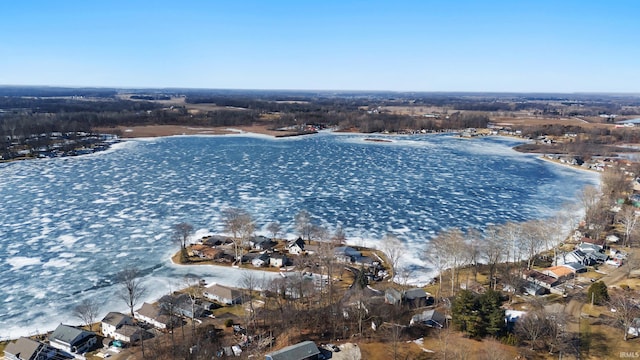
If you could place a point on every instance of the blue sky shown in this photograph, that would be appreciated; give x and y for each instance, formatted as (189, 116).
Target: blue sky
(523, 46)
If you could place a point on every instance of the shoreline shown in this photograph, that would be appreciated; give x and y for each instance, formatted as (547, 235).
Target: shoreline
(152, 131)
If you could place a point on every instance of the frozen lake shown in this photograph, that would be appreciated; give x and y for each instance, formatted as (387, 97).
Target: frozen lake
(67, 225)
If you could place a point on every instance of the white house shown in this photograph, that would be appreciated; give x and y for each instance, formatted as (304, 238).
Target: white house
(296, 247)
(112, 322)
(72, 340)
(152, 314)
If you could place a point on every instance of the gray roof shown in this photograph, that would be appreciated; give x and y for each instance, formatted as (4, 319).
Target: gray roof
(115, 318)
(298, 351)
(430, 317)
(223, 291)
(575, 266)
(416, 293)
(23, 348)
(68, 334)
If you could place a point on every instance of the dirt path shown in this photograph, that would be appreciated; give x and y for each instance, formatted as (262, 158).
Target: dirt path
(574, 307)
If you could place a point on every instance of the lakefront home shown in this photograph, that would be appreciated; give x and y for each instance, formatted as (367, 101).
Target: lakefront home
(154, 315)
(223, 294)
(112, 322)
(27, 349)
(72, 340)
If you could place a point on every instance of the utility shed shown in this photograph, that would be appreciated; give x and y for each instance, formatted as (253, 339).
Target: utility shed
(306, 350)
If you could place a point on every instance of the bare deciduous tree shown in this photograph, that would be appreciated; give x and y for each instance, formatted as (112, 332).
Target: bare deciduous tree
(615, 183)
(493, 250)
(194, 292)
(339, 237)
(132, 290)
(629, 219)
(239, 223)
(436, 254)
(625, 310)
(594, 210)
(532, 328)
(274, 228)
(473, 251)
(393, 250)
(181, 233)
(87, 311)
(304, 224)
(532, 240)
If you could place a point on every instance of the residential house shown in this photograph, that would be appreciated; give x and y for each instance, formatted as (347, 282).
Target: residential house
(393, 296)
(112, 322)
(586, 240)
(559, 272)
(311, 249)
(215, 240)
(27, 349)
(589, 248)
(131, 333)
(417, 297)
(536, 277)
(72, 340)
(223, 294)
(261, 243)
(534, 289)
(278, 260)
(296, 247)
(181, 305)
(205, 252)
(577, 268)
(346, 254)
(261, 260)
(153, 314)
(306, 350)
(431, 318)
(578, 256)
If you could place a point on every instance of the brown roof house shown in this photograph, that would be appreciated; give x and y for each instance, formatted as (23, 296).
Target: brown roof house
(223, 294)
(27, 349)
(154, 315)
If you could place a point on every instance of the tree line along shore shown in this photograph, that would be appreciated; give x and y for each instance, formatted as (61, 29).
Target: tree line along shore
(580, 126)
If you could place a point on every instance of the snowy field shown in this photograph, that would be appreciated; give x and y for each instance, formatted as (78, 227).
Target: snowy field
(67, 225)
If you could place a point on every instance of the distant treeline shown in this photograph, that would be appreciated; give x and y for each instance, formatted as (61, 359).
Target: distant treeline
(43, 91)
(31, 110)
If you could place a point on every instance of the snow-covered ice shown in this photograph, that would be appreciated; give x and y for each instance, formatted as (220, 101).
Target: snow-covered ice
(68, 225)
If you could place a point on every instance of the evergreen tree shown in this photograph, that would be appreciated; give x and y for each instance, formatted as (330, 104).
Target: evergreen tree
(598, 293)
(465, 315)
(492, 313)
